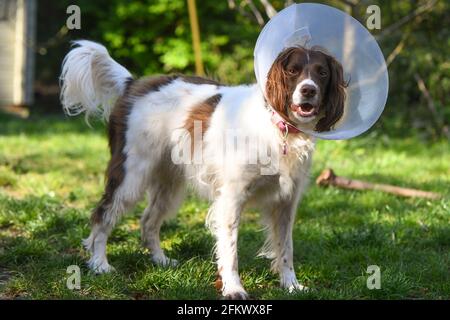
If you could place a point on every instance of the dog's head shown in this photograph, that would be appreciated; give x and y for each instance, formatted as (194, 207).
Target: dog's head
(307, 86)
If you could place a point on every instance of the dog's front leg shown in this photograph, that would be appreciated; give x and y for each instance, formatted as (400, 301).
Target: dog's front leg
(279, 244)
(224, 222)
(285, 254)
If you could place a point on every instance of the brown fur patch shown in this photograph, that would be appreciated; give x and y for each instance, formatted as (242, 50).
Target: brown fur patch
(335, 98)
(218, 284)
(201, 112)
(117, 128)
(199, 80)
(145, 85)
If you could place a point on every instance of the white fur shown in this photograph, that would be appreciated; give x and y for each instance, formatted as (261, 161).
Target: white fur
(297, 99)
(90, 80)
(232, 180)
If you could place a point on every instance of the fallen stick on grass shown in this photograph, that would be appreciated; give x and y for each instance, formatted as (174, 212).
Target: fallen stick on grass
(329, 178)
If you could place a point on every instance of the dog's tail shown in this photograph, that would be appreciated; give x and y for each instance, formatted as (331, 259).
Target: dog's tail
(91, 81)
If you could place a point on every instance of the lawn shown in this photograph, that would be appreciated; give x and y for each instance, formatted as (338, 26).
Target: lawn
(51, 175)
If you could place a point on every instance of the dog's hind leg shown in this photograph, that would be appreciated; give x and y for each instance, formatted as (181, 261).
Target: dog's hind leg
(165, 197)
(124, 187)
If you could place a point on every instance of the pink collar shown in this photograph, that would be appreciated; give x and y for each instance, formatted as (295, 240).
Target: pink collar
(284, 126)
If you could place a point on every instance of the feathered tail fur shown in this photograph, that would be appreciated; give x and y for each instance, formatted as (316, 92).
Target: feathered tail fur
(91, 81)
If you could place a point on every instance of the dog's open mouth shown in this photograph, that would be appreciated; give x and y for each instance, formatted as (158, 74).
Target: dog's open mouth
(305, 109)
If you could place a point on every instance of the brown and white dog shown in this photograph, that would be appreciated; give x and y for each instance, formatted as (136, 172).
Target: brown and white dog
(235, 145)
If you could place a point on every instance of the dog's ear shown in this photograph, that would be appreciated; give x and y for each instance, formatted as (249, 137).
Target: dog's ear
(277, 89)
(334, 97)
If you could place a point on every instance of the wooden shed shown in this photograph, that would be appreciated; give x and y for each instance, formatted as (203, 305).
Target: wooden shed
(17, 42)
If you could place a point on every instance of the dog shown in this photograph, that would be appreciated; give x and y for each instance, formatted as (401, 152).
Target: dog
(151, 125)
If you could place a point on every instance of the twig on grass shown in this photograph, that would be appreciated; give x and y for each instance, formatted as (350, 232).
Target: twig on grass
(329, 178)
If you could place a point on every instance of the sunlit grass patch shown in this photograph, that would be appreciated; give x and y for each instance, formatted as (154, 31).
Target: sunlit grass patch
(51, 175)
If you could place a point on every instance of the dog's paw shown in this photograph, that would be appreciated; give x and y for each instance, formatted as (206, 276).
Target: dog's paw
(238, 295)
(100, 266)
(164, 261)
(294, 287)
(297, 287)
(289, 281)
(235, 293)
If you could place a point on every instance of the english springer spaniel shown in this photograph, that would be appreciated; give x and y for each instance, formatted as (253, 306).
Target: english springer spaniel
(236, 145)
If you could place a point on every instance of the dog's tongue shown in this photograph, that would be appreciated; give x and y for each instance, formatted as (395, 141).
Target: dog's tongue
(306, 107)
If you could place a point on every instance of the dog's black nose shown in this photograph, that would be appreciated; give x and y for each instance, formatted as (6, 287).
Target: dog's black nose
(308, 91)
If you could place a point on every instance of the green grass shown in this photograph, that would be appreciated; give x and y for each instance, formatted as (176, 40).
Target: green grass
(51, 175)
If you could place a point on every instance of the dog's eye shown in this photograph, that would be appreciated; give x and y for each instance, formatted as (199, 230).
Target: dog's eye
(292, 71)
(323, 73)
